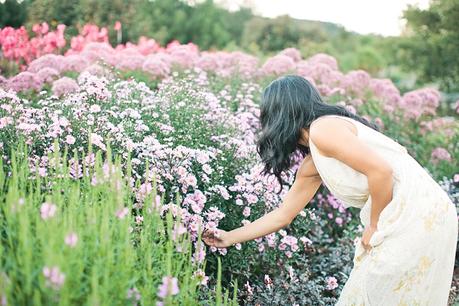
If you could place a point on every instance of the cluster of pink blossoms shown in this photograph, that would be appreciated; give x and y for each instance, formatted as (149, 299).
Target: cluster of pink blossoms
(19, 47)
(90, 50)
(440, 154)
(54, 277)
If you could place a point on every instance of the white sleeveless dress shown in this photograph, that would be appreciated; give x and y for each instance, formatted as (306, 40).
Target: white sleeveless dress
(412, 257)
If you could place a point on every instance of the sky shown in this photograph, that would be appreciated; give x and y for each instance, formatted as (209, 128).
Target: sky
(361, 16)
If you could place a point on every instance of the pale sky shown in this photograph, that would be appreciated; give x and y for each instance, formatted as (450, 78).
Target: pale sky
(362, 16)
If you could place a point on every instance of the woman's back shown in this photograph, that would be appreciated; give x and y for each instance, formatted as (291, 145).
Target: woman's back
(413, 249)
(349, 185)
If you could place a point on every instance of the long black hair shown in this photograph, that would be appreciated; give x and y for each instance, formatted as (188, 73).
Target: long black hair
(289, 104)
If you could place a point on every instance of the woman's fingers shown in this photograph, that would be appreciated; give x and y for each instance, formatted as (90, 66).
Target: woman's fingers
(211, 237)
(366, 246)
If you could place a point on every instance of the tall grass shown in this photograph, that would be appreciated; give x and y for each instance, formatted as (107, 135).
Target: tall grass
(115, 261)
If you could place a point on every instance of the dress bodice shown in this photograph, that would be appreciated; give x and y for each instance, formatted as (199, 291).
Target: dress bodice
(347, 184)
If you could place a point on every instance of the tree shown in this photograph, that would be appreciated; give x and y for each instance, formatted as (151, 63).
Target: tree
(432, 43)
(13, 13)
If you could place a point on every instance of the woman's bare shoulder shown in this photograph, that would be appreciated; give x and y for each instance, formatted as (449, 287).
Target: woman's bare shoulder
(323, 122)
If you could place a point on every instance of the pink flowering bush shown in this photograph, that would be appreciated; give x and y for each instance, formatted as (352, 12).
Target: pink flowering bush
(64, 85)
(440, 154)
(418, 102)
(279, 64)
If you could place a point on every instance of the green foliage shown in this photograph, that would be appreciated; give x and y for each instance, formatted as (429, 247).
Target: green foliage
(112, 255)
(433, 46)
(278, 33)
(53, 12)
(12, 13)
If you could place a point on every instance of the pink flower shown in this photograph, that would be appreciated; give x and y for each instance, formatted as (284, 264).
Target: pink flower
(168, 287)
(191, 180)
(47, 210)
(421, 101)
(122, 213)
(42, 171)
(279, 64)
(246, 211)
(439, 154)
(97, 141)
(332, 283)
(293, 53)
(64, 86)
(306, 240)
(261, 247)
(71, 239)
(268, 281)
(357, 82)
(138, 219)
(133, 294)
(201, 276)
(94, 108)
(70, 139)
(456, 178)
(47, 75)
(24, 81)
(339, 220)
(251, 198)
(117, 26)
(54, 277)
(156, 66)
(248, 288)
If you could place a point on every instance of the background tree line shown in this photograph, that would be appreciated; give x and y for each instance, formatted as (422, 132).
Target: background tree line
(426, 52)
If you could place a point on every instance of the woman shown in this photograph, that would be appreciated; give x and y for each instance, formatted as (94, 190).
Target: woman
(407, 250)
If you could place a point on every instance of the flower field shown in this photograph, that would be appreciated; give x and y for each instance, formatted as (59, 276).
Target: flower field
(115, 158)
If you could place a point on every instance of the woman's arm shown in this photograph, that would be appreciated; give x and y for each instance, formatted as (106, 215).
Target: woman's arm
(339, 142)
(299, 195)
(306, 183)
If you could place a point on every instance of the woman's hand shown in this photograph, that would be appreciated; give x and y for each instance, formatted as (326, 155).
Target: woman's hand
(217, 238)
(366, 236)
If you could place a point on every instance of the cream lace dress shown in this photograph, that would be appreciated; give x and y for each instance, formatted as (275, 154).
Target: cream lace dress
(413, 251)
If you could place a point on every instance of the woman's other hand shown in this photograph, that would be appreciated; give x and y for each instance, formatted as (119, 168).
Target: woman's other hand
(366, 236)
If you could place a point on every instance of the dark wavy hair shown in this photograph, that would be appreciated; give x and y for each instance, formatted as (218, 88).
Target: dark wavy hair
(289, 104)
